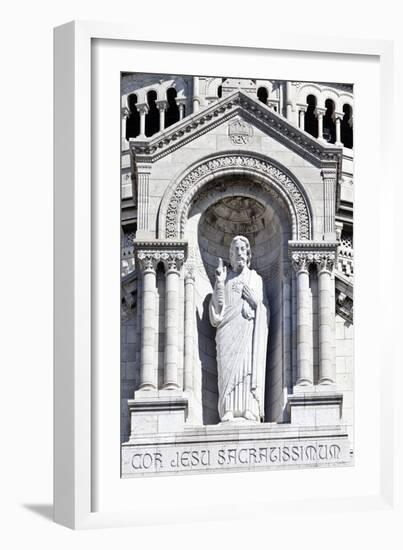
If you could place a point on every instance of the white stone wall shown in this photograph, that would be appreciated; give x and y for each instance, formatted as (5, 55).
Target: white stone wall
(344, 370)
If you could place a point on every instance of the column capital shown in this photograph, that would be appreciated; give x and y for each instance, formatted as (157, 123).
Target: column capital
(301, 261)
(325, 262)
(190, 275)
(125, 112)
(302, 107)
(142, 108)
(181, 100)
(173, 261)
(171, 253)
(304, 253)
(320, 111)
(147, 261)
(161, 104)
(329, 173)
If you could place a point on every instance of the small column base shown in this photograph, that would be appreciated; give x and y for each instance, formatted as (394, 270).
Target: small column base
(156, 412)
(318, 407)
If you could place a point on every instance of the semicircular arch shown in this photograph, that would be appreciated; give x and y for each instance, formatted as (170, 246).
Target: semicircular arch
(179, 195)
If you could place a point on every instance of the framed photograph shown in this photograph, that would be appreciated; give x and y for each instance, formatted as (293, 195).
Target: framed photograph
(213, 327)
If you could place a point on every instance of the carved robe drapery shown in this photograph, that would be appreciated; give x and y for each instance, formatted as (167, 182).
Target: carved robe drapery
(241, 340)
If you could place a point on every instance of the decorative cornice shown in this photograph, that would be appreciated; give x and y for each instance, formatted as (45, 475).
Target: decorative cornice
(254, 111)
(313, 246)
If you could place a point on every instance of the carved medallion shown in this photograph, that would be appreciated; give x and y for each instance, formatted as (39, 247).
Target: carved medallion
(240, 132)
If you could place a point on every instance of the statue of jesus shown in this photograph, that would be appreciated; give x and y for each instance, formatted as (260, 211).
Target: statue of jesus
(240, 312)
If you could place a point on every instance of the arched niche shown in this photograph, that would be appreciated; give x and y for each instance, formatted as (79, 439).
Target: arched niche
(231, 205)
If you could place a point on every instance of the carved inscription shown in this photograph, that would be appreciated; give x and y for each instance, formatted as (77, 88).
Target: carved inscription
(142, 460)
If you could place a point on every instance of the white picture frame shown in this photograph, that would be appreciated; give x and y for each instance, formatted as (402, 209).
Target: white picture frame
(82, 426)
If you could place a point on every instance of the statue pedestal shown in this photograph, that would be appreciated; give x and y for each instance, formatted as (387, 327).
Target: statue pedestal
(315, 406)
(157, 412)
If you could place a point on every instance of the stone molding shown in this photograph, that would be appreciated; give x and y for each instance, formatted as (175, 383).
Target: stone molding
(179, 197)
(253, 111)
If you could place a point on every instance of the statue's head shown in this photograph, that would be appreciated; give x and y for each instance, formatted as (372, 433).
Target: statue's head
(239, 253)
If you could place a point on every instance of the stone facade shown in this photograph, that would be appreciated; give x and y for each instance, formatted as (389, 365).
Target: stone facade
(205, 159)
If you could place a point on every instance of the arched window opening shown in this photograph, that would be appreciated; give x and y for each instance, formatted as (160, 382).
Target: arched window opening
(152, 117)
(262, 95)
(172, 112)
(329, 125)
(133, 120)
(311, 122)
(346, 129)
(219, 91)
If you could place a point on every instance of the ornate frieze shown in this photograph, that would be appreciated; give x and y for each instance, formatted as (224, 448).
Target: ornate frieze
(228, 162)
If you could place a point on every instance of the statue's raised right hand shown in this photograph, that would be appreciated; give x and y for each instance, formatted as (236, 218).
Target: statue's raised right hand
(221, 272)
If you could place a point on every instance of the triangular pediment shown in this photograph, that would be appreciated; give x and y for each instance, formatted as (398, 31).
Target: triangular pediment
(241, 107)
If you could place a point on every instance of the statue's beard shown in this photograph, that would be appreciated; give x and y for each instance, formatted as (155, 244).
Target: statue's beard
(239, 264)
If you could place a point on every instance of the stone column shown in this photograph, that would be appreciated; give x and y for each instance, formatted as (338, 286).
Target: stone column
(143, 110)
(162, 106)
(173, 262)
(148, 375)
(302, 111)
(288, 101)
(301, 262)
(189, 327)
(181, 104)
(325, 264)
(338, 119)
(320, 114)
(125, 113)
(196, 98)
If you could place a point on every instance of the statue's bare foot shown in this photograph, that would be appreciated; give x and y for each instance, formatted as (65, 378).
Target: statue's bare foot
(248, 415)
(229, 415)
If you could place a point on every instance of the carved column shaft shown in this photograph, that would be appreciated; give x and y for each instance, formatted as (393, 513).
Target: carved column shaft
(143, 110)
(148, 374)
(189, 328)
(125, 115)
(162, 106)
(302, 119)
(338, 118)
(301, 264)
(172, 265)
(320, 114)
(196, 99)
(325, 265)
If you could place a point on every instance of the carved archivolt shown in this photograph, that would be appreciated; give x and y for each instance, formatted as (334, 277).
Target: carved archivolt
(174, 206)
